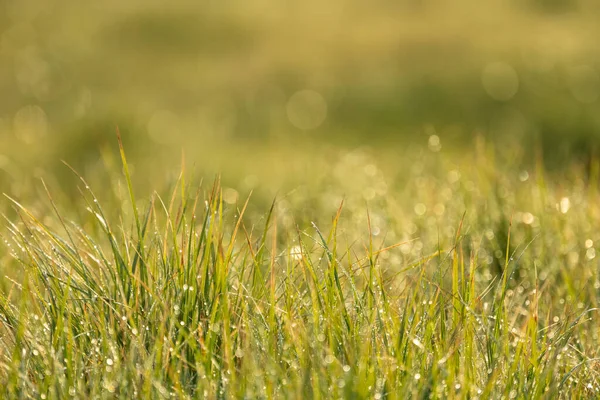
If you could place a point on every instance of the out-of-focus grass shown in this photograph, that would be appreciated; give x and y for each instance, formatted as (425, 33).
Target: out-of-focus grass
(192, 75)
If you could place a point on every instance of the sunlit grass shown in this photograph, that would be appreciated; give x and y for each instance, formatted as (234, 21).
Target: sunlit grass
(476, 280)
(416, 266)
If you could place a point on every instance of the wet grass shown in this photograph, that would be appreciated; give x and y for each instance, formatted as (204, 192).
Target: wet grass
(455, 277)
(453, 257)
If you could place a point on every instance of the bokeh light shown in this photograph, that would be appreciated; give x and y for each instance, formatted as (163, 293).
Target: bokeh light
(306, 109)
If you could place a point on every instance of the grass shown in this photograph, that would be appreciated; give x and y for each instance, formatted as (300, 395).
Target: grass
(457, 279)
(224, 73)
(307, 268)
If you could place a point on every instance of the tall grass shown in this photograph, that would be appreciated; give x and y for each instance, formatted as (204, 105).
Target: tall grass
(191, 297)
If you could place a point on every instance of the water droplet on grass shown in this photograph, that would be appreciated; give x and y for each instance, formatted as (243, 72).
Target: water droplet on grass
(565, 205)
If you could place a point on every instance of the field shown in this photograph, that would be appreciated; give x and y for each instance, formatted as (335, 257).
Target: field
(261, 200)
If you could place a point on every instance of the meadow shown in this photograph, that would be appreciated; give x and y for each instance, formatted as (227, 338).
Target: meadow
(260, 200)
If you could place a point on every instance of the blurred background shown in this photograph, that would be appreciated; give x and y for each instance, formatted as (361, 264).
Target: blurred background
(269, 91)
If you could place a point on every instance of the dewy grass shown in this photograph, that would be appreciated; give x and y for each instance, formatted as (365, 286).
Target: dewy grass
(189, 297)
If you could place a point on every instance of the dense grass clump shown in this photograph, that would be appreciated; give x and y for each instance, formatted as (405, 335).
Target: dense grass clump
(493, 295)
